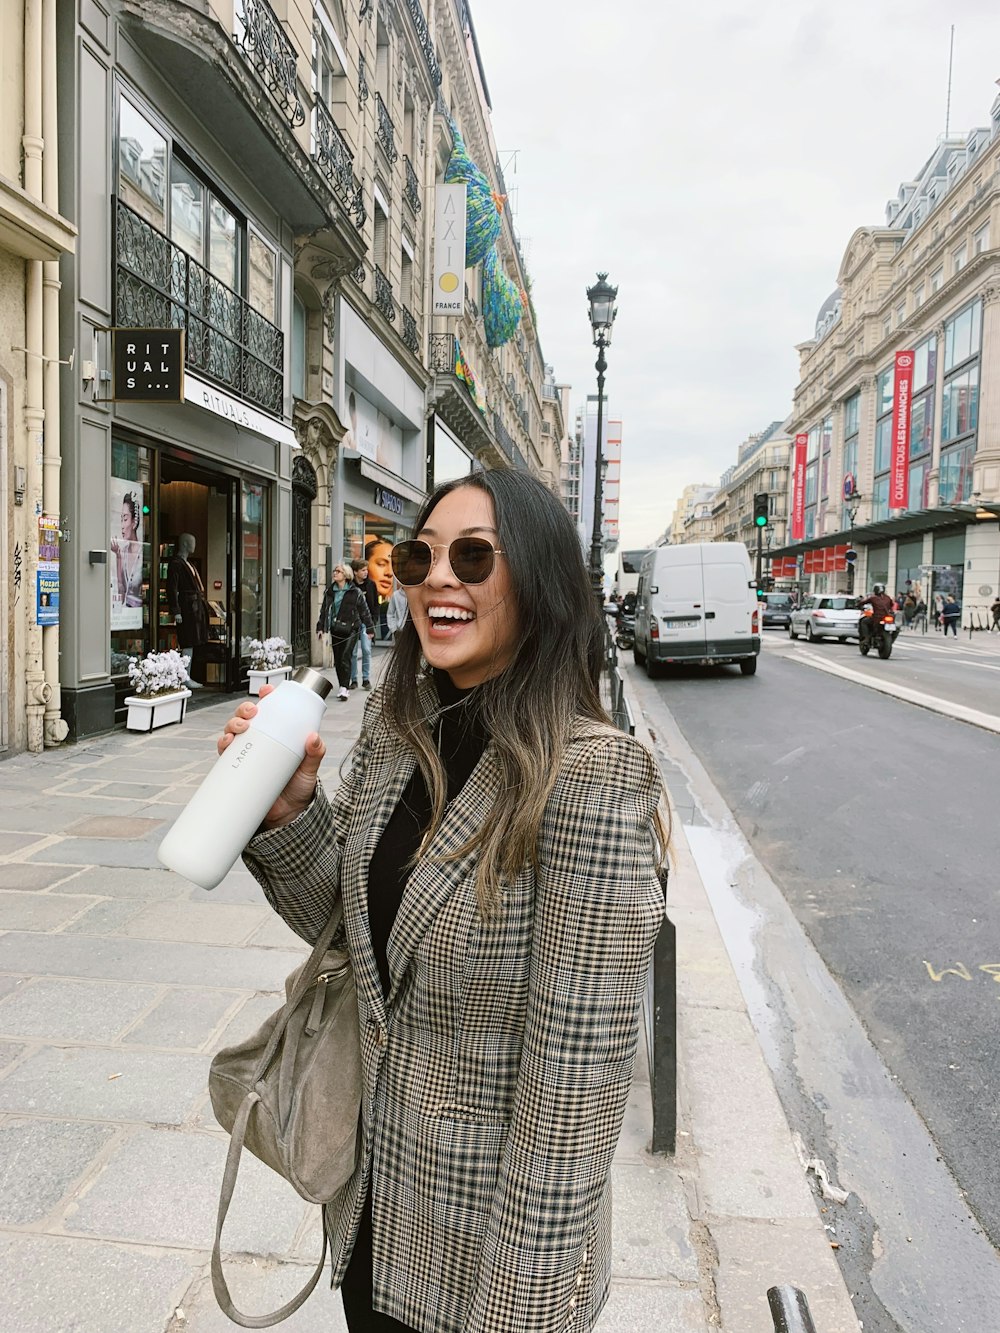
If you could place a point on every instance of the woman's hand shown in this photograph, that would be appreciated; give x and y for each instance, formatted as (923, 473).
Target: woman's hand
(301, 786)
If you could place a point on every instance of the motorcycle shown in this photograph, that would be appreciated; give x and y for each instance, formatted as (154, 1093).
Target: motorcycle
(877, 633)
(625, 633)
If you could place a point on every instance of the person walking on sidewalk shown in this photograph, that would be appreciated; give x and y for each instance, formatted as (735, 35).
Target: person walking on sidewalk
(498, 847)
(359, 568)
(951, 613)
(995, 613)
(343, 612)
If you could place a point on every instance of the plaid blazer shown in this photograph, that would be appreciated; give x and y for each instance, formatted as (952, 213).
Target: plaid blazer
(497, 1071)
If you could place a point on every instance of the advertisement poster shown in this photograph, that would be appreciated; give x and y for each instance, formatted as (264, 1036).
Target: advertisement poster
(449, 249)
(47, 586)
(799, 489)
(125, 553)
(902, 398)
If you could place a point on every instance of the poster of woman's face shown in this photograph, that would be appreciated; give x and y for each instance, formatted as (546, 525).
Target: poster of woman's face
(125, 559)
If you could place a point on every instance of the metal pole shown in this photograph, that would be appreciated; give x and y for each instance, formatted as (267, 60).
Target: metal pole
(596, 541)
(760, 552)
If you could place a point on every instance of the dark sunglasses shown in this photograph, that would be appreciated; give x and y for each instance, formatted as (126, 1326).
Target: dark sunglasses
(472, 560)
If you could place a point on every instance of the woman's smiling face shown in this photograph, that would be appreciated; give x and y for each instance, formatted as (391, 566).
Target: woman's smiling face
(469, 630)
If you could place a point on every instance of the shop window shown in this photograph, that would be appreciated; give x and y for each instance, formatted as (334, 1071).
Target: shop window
(129, 553)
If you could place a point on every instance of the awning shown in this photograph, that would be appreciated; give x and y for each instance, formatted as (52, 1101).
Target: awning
(375, 472)
(890, 529)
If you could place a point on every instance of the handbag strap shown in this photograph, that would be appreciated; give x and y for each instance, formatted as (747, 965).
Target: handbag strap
(219, 1284)
(237, 1138)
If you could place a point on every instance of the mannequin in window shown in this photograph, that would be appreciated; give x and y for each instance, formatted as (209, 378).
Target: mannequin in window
(186, 599)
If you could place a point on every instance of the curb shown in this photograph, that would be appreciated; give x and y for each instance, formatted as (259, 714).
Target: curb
(750, 1196)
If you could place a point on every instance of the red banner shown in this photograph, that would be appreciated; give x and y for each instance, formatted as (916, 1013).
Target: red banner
(902, 394)
(799, 489)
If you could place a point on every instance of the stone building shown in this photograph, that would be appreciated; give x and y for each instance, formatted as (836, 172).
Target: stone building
(33, 237)
(928, 283)
(258, 180)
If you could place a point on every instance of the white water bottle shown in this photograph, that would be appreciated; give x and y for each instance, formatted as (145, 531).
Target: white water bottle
(249, 776)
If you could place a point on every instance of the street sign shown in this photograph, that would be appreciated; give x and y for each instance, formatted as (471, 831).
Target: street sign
(934, 569)
(850, 485)
(850, 555)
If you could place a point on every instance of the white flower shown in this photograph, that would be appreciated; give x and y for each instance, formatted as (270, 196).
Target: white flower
(268, 655)
(157, 673)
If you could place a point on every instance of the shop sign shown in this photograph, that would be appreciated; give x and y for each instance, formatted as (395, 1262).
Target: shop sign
(47, 577)
(148, 365)
(222, 404)
(902, 396)
(388, 500)
(799, 491)
(449, 249)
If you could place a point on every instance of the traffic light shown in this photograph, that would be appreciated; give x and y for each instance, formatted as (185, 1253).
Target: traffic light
(760, 507)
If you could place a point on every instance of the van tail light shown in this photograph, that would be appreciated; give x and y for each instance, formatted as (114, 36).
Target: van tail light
(654, 629)
(755, 624)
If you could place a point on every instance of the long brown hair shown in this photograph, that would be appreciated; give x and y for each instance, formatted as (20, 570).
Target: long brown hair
(528, 708)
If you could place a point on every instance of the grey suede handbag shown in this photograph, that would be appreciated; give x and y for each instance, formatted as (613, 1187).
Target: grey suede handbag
(291, 1094)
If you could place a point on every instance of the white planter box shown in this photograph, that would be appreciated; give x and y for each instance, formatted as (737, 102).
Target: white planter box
(146, 714)
(272, 677)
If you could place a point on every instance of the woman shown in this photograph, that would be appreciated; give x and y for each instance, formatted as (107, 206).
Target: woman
(497, 844)
(343, 612)
(128, 554)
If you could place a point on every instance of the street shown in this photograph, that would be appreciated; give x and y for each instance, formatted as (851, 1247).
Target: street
(876, 821)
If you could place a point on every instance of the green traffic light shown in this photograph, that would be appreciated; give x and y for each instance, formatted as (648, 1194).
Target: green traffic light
(761, 521)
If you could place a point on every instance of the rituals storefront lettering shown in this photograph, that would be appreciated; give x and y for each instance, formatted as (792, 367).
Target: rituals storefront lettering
(148, 365)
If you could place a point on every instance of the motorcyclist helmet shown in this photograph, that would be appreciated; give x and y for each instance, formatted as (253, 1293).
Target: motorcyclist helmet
(879, 587)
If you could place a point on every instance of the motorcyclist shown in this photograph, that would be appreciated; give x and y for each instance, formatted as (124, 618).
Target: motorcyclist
(881, 605)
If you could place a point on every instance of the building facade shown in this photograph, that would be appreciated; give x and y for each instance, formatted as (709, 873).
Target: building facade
(696, 493)
(257, 180)
(927, 283)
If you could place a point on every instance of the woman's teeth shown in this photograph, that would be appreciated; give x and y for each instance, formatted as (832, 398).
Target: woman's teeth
(449, 613)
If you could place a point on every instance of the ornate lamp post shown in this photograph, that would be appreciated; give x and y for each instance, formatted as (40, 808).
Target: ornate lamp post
(602, 317)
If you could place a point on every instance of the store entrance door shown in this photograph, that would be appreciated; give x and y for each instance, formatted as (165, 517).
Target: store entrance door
(203, 504)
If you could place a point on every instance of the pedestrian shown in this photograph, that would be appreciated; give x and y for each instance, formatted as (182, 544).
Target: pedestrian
(397, 611)
(359, 569)
(909, 608)
(343, 612)
(995, 613)
(951, 611)
(497, 845)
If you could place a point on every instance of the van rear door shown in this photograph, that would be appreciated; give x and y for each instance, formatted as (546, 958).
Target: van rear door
(729, 599)
(679, 603)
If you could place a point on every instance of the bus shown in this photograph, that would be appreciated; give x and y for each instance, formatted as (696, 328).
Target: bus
(627, 578)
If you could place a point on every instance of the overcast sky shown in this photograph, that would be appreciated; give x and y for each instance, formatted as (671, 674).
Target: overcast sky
(715, 158)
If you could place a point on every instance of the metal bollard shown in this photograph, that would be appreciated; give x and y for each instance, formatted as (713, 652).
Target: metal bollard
(790, 1310)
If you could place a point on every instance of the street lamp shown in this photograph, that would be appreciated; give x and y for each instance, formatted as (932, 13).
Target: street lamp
(602, 317)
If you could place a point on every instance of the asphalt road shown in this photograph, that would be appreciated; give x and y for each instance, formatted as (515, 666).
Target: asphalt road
(960, 670)
(879, 823)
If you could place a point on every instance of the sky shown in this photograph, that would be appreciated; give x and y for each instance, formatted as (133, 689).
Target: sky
(715, 158)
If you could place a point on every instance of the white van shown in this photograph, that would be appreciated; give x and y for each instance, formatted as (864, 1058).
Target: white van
(697, 603)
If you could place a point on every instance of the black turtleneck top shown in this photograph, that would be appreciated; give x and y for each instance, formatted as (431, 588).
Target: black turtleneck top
(461, 740)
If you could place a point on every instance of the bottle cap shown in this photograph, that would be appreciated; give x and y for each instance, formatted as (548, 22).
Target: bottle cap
(313, 680)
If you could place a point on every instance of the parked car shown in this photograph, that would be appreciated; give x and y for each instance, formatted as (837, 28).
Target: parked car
(777, 609)
(825, 617)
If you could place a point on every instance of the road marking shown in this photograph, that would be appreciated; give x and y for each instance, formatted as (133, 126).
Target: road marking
(945, 707)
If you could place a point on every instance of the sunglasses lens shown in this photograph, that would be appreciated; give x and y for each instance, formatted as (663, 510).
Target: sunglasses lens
(411, 562)
(471, 559)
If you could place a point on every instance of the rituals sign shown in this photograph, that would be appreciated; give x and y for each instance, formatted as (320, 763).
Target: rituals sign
(148, 365)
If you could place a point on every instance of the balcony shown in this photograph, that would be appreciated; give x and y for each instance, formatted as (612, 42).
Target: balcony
(383, 295)
(426, 44)
(363, 89)
(158, 285)
(411, 186)
(266, 46)
(411, 336)
(385, 131)
(332, 155)
(459, 400)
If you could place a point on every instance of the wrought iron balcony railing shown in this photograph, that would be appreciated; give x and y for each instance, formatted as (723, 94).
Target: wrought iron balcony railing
(358, 274)
(385, 131)
(471, 302)
(332, 155)
(358, 204)
(424, 38)
(411, 186)
(383, 295)
(410, 335)
(503, 436)
(159, 285)
(441, 353)
(269, 50)
(363, 89)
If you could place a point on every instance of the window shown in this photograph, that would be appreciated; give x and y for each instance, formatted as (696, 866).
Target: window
(918, 296)
(961, 335)
(960, 404)
(937, 278)
(981, 239)
(887, 326)
(142, 164)
(900, 315)
(880, 498)
(380, 246)
(262, 286)
(406, 280)
(955, 473)
(298, 348)
(958, 259)
(382, 62)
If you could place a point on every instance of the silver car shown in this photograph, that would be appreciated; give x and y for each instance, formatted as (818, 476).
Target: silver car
(825, 616)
